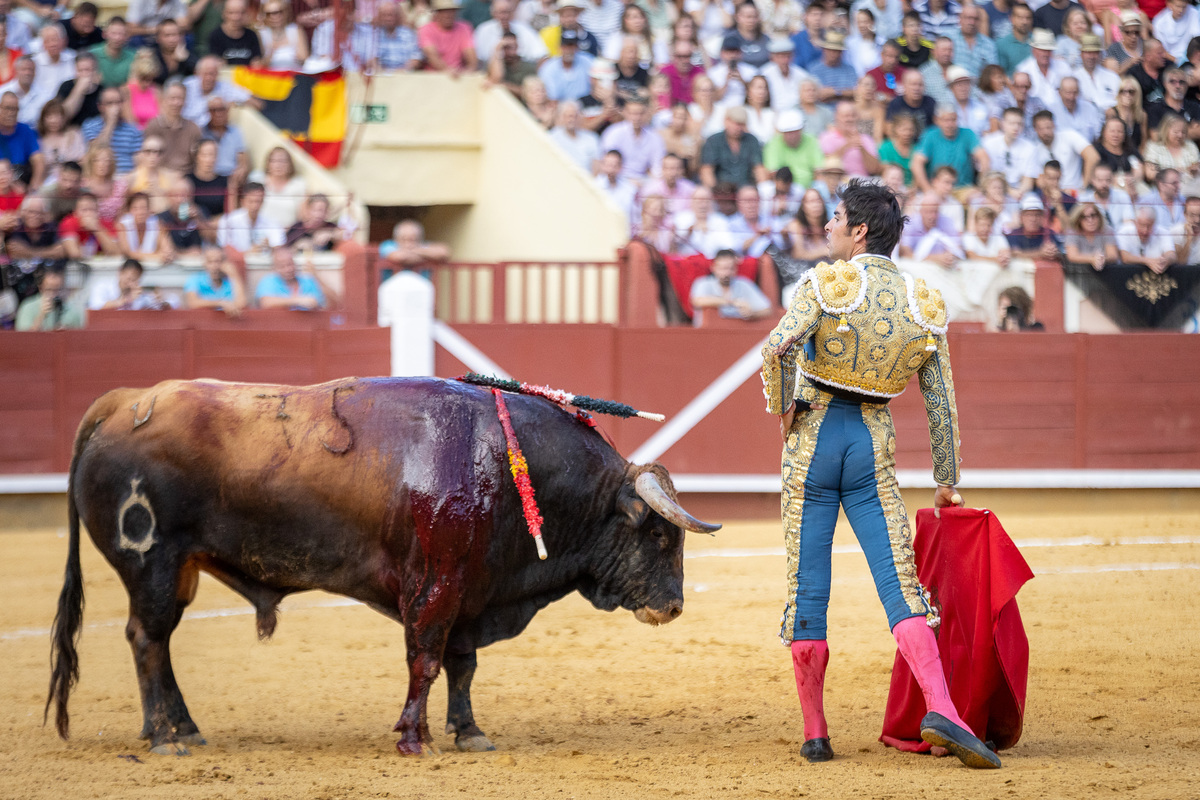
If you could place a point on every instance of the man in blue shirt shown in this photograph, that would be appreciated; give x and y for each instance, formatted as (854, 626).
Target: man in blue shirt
(112, 129)
(218, 286)
(19, 144)
(947, 144)
(566, 77)
(286, 288)
(805, 42)
(837, 78)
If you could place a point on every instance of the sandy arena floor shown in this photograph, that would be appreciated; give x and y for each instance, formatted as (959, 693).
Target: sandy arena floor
(587, 704)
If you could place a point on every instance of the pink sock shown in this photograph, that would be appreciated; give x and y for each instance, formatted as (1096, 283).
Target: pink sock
(809, 659)
(919, 647)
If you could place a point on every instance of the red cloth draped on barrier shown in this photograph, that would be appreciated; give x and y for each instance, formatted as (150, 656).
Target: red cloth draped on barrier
(973, 572)
(684, 270)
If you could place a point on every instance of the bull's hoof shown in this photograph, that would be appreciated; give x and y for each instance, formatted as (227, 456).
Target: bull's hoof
(474, 744)
(170, 749)
(416, 749)
(194, 739)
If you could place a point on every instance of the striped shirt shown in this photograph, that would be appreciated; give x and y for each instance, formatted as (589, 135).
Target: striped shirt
(973, 59)
(602, 20)
(394, 50)
(126, 140)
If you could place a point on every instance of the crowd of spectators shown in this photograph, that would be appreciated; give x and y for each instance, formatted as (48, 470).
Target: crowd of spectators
(1045, 131)
(115, 140)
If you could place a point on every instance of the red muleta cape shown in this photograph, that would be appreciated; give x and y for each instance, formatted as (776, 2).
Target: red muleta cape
(973, 572)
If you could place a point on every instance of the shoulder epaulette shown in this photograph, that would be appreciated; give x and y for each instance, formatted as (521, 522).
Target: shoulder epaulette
(928, 309)
(840, 287)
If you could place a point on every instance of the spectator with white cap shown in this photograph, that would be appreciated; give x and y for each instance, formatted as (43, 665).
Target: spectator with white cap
(1034, 239)
(568, 20)
(601, 107)
(783, 76)
(800, 152)
(972, 114)
(1044, 70)
(1097, 83)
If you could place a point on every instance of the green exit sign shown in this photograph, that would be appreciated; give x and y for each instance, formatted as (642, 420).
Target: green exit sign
(368, 113)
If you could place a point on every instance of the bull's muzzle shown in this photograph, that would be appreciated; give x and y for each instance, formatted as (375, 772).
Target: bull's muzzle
(659, 616)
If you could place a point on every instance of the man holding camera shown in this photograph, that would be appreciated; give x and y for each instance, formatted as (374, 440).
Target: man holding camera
(51, 309)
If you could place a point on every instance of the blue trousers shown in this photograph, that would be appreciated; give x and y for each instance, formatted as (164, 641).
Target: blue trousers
(844, 456)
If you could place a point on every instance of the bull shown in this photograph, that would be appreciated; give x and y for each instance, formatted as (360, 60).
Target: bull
(394, 492)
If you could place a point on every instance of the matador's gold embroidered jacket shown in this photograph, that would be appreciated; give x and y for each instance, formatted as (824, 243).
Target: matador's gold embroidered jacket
(871, 329)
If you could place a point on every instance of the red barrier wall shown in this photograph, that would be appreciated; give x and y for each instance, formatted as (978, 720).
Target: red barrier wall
(1033, 401)
(48, 380)
(1026, 401)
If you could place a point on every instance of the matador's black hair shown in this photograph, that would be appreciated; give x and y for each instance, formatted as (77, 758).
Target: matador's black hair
(876, 207)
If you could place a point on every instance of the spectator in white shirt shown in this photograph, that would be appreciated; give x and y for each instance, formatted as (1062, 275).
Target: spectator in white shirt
(247, 229)
(986, 243)
(1044, 70)
(616, 186)
(29, 92)
(207, 84)
(579, 144)
(1175, 26)
(1010, 154)
(530, 46)
(1097, 83)
(783, 77)
(55, 64)
(1141, 241)
(1065, 147)
(1075, 113)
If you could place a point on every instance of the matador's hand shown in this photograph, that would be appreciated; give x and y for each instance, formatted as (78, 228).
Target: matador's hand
(785, 421)
(945, 496)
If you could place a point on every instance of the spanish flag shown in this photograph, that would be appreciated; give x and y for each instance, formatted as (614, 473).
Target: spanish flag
(309, 108)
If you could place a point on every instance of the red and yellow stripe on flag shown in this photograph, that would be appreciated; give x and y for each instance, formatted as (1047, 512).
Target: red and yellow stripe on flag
(309, 108)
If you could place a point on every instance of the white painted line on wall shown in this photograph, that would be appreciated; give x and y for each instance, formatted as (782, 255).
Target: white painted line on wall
(701, 405)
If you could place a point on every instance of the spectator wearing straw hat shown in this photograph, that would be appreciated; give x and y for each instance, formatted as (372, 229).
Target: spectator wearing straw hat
(793, 148)
(972, 114)
(732, 155)
(1097, 83)
(1123, 55)
(837, 78)
(568, 20)
(447, 42)
(783, 77)
(1044, 70)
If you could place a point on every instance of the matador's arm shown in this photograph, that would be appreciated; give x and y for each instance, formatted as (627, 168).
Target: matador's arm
(779, 353)
(937, 387)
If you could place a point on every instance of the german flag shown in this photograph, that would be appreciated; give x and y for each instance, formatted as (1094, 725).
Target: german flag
(309, 108)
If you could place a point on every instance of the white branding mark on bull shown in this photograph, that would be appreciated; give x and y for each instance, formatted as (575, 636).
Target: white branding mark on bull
(136, 499)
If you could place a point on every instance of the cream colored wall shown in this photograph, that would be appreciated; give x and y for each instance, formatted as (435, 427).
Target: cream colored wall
(262, 137)
(497, 187)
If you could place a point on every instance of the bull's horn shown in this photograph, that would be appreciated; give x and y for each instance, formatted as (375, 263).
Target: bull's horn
(650, 490)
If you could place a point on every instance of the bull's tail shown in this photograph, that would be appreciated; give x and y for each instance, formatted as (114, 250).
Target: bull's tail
(64, 636)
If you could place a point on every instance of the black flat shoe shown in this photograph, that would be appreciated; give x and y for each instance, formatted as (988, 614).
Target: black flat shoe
(817, 750)
(937, 730)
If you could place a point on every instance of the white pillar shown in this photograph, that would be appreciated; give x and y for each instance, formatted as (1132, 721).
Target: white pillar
(406, 305)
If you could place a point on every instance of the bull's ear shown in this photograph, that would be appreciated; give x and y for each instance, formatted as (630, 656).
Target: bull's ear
(633, 507)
